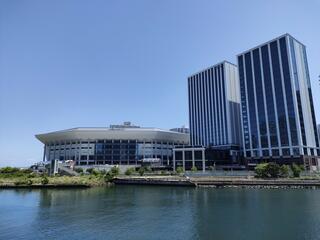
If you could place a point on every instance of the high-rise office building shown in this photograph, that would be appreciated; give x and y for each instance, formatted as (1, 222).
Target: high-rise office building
(214, 106)
(278, 118)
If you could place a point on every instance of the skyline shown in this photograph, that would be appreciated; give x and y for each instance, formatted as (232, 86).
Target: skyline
(46, 57)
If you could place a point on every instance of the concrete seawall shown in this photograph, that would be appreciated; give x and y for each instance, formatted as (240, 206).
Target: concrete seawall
(164, 181)
(217, 182)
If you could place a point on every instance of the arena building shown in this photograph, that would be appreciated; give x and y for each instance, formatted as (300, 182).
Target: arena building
(119, 144)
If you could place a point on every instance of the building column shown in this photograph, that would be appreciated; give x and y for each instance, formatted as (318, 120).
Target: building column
(203, 161)
(193, 160)
(174, 159)
(88, 144)
(44, 153)
(183, 160)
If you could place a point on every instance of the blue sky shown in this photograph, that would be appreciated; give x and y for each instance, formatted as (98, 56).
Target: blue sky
(73, 63)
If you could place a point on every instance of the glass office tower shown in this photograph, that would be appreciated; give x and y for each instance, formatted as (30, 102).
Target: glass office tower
(278, 118)
(214, 107)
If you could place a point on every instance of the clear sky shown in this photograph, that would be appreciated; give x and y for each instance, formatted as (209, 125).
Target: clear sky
(72, 63)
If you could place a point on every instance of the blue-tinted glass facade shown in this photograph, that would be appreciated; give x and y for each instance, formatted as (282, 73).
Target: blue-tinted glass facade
(269, 96)
(251, 101)
(288, 89)
(281, 111)
(209, 90)
(277, 107)
(260, 99)
(244, 110)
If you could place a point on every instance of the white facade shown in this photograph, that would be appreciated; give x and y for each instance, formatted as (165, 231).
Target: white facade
(111, 145)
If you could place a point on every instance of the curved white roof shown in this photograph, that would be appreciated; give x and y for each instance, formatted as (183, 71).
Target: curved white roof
(145, 134)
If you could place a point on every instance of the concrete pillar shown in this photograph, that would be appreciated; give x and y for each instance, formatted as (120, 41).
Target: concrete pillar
(174, 159)
(203, 161)
(193, 158)
(183, 160)
(88, 144)
(44, 153)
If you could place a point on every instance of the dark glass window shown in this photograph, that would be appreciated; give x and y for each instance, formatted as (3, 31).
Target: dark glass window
(265, 153)
(296, 151)
(269, 96)
(219, 127)
(243, 103)
(251, 101)
(248, 153)
(260, 99)
(275, 152)
(210, 105)
(286, 152)
(225, 130)
(279, 94)
(288, 88)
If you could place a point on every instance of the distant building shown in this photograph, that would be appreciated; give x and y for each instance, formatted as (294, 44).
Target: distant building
(277, 107)
(214, 117)
(182, 129)
(119, 144)
(214, 106)
(124, 125)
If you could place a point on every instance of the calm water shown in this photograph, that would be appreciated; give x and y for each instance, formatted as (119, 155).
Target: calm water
(143, 212)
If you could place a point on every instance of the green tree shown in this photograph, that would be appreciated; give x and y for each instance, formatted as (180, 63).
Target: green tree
(79, 170)
(273, 170)
(108, 177)
(129, 171)
(261, 170)
(115, 171)
(89, 170)
(284, 171)
(194, 169)
(44, 180)
(179, 170)
(141, 171)
(296, 170)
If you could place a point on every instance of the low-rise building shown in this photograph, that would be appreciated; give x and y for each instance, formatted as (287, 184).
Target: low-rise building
(119, 144)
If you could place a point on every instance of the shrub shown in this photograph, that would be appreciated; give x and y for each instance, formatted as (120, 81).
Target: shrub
(194, 169)
(29, 182)
(261, 170)
(32, 175)
(273, 170)
(179, 170)
(108, 176)
(14, 172)
(141, 171)
(267, 170)
(129, 171)
(78, 170)
(115, 171)
(284, 171)
(21, 182)
(95, 172)
(90, 170)
(44, 180)
(296, 170)
(9, 170)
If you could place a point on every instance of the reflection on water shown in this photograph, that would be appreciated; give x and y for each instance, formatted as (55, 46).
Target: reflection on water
(146, 212)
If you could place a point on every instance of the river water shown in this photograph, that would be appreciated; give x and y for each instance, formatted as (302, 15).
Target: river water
(149, 212)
